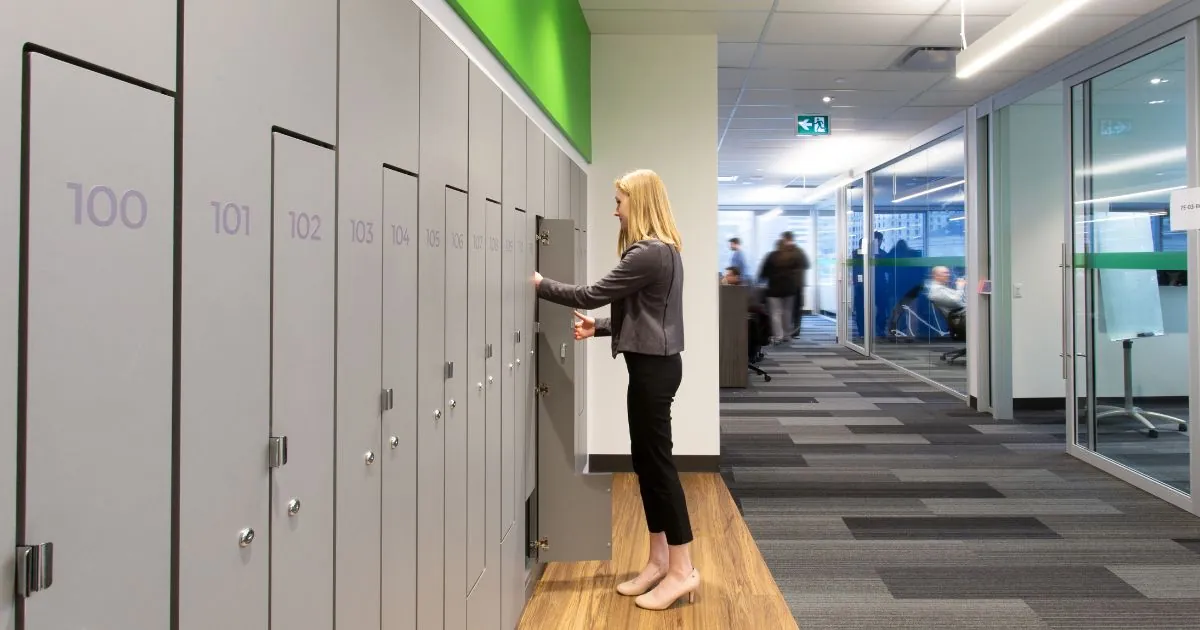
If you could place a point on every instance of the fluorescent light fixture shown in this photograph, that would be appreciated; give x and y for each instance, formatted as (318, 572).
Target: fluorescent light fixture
(1158, 80)
(1136, 195)
(729, 178)
(1159, 102)
(1028, 22)
(828, 188)
(828, 99)
(958, 218)
(929, 191)
(1144, 160)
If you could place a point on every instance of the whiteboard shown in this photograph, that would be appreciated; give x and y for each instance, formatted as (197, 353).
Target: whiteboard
(1132, 306)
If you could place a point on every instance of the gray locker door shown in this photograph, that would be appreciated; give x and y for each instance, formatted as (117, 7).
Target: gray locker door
(97, 348)
(431, 406)
(457, 372)
(509, 356)
(522, 279)
(565, 183)
(398, 562)
(495, 408)
(476, 398)
(553, 181)
(302, 382)
(535, 166)
(529, 303)
(574, 509)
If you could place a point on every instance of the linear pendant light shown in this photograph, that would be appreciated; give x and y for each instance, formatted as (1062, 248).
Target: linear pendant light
(929, 191)
(1028, 22)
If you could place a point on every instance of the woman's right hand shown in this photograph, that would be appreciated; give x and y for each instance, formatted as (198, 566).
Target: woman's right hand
(585, 327)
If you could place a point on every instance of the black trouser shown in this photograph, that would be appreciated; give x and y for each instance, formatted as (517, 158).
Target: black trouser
(798, 312)
(653, 381)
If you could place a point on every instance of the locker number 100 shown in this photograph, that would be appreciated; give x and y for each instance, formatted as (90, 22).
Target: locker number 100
(102, 207)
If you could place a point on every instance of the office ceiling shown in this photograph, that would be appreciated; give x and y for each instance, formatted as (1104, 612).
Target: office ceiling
(780, 58)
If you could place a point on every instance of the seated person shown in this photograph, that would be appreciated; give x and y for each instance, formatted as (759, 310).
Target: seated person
(733, 276)
(950, 301)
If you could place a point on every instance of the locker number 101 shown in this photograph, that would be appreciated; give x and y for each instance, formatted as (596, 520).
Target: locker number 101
(230, 218)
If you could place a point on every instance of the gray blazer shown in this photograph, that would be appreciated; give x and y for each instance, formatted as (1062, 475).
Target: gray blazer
(646, 293)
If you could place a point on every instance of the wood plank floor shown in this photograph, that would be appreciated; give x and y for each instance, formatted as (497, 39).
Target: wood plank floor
(738, 590)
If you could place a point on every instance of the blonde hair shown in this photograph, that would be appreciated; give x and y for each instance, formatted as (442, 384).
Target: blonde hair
(650, 215)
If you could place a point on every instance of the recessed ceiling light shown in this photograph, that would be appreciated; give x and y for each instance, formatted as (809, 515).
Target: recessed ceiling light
(828, 99)
(1157, 102)
(1157, 80)
(839, 80)
(729, 178)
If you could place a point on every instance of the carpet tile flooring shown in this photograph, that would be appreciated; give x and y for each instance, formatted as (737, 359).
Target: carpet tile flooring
(881, 502)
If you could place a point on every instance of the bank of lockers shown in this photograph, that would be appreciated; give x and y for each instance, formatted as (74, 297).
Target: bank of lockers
(270, 347)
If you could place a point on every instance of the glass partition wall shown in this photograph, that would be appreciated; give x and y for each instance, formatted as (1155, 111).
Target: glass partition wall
(917, 264)
(1131, 359)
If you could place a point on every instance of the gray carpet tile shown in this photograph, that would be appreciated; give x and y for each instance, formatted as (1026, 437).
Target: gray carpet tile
(880, 502)
(948, 528)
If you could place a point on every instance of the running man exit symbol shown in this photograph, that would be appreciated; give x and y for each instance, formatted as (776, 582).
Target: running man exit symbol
(812, 125)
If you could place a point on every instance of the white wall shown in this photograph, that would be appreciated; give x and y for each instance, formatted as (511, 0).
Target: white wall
(1035, 166)
(653, 102)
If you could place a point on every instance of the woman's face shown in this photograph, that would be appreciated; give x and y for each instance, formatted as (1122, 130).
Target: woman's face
(622, 211)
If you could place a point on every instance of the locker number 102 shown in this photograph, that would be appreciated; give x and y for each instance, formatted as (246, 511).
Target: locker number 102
(230, 218)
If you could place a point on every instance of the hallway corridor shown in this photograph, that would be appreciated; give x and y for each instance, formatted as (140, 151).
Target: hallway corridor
(880, 502)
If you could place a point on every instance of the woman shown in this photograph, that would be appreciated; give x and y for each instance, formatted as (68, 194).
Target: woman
(781, 271)
(646, 292)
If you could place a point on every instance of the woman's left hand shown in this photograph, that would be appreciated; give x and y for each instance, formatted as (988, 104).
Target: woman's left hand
(537, 279)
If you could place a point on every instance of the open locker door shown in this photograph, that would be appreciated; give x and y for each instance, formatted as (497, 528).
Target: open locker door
(574, 507)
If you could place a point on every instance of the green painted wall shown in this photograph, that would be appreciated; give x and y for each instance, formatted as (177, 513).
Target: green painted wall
(547, 47)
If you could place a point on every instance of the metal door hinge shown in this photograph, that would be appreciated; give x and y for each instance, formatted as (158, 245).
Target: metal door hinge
(541, 544)
(543, 238)
(277, 452)
(541, 390)
(35, 568)
(388, 399)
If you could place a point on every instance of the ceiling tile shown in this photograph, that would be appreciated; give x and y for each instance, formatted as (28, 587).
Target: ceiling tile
(731, 78)
(832, 28)
(1030, 58)
(678, 5)
(832, 80)
(1082, 30)
(1122, 7)
(735, 55)
(1003, 8)
(727, 97)
(925, 114)
(943, 30)
(725, 111)
(813, 99)
(895, 7)
(988, 80)
(818, 57)
(764, 124)
(737, 26)
(950, 98)
(764, 111)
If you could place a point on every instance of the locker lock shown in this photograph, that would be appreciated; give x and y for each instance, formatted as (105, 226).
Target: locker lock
(293, 507)
(510, 367)
(491, 380)
(437, 414)
(479, 386)
(369, 457)
(245, 537)
(453, 403)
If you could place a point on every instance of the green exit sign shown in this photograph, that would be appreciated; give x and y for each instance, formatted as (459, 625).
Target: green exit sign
(812, 125)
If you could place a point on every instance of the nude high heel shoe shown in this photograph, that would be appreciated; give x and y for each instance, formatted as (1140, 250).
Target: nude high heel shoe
(637, 587)
(660, 600)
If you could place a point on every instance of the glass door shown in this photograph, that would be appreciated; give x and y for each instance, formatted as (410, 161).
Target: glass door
(855, 263)
(1126, 269)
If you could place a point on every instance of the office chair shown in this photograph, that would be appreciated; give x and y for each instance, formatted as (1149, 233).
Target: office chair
(758, 337)
(956, 320)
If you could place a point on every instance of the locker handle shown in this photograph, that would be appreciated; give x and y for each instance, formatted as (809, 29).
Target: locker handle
(562, 351)
(395, 442)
